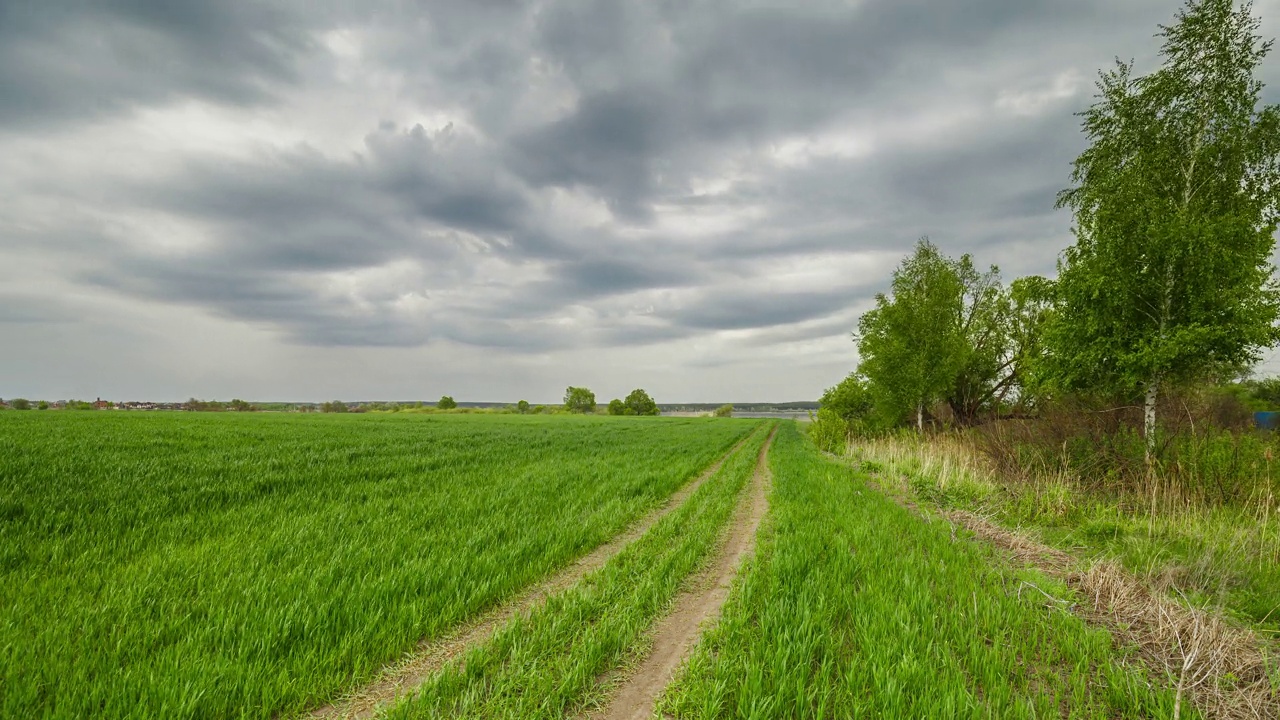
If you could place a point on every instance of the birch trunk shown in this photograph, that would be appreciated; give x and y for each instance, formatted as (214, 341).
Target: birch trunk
(1149, 421)
(920, 418)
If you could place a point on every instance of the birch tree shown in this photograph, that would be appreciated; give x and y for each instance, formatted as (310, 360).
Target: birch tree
(910, 343)
(1175, 205)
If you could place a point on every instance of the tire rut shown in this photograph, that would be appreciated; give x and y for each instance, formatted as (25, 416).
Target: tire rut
(403, 678)
(675, 635)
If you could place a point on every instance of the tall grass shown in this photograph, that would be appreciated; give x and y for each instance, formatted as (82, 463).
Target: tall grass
(251, 565)
(856, 607)
(1156, 524)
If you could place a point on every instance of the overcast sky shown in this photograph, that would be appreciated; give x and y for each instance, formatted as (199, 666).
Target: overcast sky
(389, 199)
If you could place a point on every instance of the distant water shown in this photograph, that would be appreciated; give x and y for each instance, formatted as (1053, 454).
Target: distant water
(794, 415)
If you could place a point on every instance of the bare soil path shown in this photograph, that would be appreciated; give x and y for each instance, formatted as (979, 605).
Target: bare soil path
(404, 677)
(677, 633)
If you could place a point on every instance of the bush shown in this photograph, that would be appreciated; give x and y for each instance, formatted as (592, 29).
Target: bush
(20, 404)
(829, 431)
(44, 405)
(616, 407)
(446, 403)
(849, 400)
(522, 407)
(1206, 452)
(723, 411)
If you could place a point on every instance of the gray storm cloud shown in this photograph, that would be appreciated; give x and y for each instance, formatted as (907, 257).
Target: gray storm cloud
(684, 189)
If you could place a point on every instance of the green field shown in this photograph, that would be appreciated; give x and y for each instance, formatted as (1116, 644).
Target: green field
(260, 566)
(202, 565)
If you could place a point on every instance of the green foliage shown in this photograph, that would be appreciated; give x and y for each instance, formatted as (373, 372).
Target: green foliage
(829, 431)
(1257, 394)
(616, 407)
(239, 405)
(20, 404)
(638, 402)
(446, 403)
(522, 407)
(255, 565)
(849, 400)
(1176, 202)
(723, 411)
(43, 405)
(910, 344)
(79, 405)
(336, 406)
(579, 400)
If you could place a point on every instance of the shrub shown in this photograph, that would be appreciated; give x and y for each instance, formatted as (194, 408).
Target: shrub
(723, 411)
(446, 403)
(616, 407)
(20, 404)
(829, 431)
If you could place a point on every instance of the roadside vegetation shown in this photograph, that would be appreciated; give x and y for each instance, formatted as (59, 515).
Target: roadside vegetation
(854, 605)
(1110, 412)
(248, 565)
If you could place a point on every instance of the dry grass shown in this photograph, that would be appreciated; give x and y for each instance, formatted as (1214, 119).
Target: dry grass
(1224, 670)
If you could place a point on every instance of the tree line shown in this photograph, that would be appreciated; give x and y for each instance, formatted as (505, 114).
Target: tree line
(1169, 282)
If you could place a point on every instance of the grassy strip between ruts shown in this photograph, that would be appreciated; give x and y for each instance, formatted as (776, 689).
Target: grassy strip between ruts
(547, 664)
(855, 607)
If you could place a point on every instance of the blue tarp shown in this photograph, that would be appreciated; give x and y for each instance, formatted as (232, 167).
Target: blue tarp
(1266, 420)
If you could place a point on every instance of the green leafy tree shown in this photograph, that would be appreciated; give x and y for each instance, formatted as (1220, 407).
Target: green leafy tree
(1031, 305)
(1175, 205)
(616, 407)
(723, 411)
(446, 403)
(337, 406)
(910, 343)
(44, 405)
(522, 407)
(985, 363)
(638, 402)
(20, 404)
(849, 400)
(579, 400)
(241, 406)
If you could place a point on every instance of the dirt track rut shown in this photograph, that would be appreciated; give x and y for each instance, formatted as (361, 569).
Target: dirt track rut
(677, 633)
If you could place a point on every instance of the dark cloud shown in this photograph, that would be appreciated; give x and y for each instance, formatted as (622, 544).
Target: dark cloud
(543, 177)
(66, 60)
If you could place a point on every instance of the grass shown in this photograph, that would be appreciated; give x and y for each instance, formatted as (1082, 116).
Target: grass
(1224, 556)
(201, 565)
(856, 607)
(549, 663)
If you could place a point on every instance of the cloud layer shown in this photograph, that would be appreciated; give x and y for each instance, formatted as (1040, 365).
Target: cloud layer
(496, 199)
